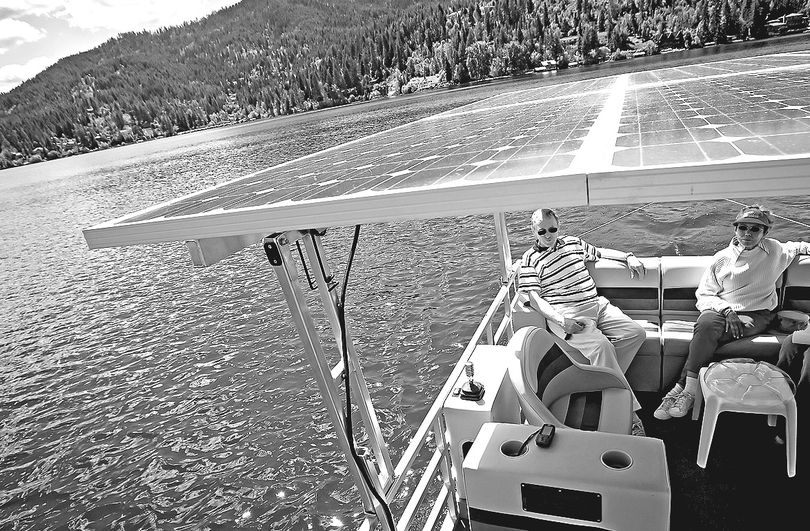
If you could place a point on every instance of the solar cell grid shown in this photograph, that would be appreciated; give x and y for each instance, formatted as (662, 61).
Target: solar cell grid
(735, 110)
(531, 97)
(757, 115)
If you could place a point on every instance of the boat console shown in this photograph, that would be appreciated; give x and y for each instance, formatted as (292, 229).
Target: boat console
(463, 418)
(584, 479)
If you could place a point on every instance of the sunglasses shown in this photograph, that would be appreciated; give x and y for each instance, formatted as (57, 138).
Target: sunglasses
(552, 230)
(745, 228)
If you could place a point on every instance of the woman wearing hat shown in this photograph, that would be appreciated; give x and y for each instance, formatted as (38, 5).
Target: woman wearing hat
(736, 297)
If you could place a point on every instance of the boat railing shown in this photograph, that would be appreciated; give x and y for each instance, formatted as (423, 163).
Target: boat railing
(485, 333)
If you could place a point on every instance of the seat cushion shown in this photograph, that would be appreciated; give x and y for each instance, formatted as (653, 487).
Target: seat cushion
(678, 333)
(644, 373)
(761, 347)
(605, 410)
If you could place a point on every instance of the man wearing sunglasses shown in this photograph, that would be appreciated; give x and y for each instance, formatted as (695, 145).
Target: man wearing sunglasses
(554, 276)
(736, 298)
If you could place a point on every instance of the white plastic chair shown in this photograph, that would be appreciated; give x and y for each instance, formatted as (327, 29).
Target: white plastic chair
(745, 386)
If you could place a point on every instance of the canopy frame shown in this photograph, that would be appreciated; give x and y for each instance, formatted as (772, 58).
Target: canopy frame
(277, 248)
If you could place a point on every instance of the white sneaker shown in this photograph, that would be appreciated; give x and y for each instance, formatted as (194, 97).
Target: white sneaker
(683, 403)
(662, 413)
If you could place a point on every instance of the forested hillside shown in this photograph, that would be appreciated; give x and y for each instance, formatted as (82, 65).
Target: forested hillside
(264, 58)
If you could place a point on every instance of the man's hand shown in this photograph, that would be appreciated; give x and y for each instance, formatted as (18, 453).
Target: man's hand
(737, 323)
(635, 266)
(572, 326)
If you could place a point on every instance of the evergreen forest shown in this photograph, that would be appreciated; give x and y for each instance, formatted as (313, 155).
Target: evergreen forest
(265, 58)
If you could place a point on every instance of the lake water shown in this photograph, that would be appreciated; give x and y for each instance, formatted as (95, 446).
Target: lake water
(137, 392)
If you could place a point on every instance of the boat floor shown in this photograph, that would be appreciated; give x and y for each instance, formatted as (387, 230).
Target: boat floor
(745, 483)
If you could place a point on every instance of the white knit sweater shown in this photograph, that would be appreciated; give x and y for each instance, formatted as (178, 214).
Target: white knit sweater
(746, 280)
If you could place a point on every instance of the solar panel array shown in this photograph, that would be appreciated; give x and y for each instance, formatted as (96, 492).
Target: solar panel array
(504, 141)
(728, 111)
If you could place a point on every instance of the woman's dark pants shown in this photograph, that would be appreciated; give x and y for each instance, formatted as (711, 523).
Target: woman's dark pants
(710, 332)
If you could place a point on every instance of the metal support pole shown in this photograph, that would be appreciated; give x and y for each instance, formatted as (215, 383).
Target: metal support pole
(329, 298)
(278, 253)
(439, 430)
(505, 254)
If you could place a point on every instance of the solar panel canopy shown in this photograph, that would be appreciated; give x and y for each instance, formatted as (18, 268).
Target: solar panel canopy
(734, 128)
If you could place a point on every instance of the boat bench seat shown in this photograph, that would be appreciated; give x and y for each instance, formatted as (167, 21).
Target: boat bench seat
(638, 298)
(663, 302)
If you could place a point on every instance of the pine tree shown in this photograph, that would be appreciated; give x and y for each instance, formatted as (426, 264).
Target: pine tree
(759, 19)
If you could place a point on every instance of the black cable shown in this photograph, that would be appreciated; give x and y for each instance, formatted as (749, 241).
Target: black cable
(347, 385)
(312, 285)
(526, 442)
(323, 270)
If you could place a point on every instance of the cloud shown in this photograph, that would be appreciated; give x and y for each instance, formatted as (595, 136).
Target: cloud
(13, 75)
(122, 15)
(16, 32)
(29, 7)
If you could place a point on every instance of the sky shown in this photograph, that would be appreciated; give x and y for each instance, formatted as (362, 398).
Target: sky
(35, 34)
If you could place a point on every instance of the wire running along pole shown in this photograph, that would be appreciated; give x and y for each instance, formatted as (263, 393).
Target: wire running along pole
(341, 314)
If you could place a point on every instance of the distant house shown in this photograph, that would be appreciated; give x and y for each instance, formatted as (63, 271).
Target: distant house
(792, 23)
(796, 22)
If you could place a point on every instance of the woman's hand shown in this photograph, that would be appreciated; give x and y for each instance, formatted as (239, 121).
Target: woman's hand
(736, 324)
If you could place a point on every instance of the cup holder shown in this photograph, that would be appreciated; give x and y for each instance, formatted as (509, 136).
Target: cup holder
(617, 460)
(513, 448)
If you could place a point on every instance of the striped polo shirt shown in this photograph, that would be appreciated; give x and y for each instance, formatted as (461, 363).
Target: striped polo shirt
(559, 272)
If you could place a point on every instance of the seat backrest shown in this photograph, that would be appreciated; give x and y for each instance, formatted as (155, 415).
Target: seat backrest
(557, 385)
(639, 298)
(680, 276)
(797, 285)
(542, 363)
(542, 371)
(526, 350)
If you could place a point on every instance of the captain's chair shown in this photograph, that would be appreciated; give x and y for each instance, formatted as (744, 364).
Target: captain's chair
(557, 385)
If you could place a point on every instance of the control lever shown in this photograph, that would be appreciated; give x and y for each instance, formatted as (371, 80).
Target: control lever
(471, 390)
